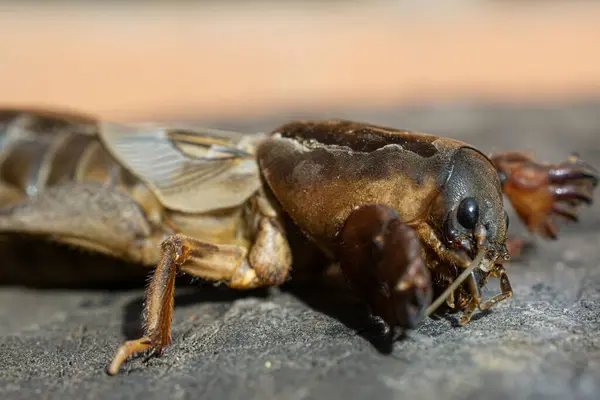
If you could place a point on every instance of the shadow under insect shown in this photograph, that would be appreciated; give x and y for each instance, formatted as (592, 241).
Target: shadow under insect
(332, 297)
(41, 264)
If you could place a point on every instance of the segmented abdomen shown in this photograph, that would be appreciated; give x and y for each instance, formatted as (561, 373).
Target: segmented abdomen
(39, 149)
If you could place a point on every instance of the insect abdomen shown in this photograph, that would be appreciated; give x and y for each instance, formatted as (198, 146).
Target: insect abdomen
(41, 149)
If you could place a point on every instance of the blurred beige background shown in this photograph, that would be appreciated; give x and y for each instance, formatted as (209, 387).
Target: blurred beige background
(135, 60)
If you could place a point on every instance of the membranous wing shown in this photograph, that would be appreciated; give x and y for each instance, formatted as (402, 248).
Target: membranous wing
(192, 170)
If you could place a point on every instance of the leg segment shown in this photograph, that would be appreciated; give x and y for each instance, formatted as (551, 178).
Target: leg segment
(266, 264)
(539, 191)
(88, 215)
(475, 291)
(505, 287)
(473, 286)
(380, 257)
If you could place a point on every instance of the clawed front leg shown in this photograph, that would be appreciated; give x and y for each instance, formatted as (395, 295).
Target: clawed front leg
(539, 191)
(380, 257)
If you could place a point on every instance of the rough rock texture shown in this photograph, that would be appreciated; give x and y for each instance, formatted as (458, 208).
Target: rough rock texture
(311, 342)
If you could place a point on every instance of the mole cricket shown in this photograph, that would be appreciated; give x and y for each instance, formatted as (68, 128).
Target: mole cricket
(416, 221)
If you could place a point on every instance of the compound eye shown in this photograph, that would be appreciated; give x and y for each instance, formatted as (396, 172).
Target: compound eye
(468, 213)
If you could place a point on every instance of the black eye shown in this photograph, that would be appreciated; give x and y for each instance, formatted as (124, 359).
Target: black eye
(468, 213)
(506, 219)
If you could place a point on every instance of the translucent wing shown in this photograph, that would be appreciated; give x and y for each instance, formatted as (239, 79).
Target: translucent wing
(189, 170)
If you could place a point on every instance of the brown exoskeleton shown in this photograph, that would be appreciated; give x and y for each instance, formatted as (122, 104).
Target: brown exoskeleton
(409, 216)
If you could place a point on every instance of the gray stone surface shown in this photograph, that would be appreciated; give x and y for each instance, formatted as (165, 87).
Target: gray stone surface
(310, 342)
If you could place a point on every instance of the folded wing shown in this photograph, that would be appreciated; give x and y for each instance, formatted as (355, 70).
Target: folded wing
(189, 170)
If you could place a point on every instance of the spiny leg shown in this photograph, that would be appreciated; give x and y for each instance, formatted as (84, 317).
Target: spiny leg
(476, 295)
(465, 275)
(497, 271)
(505, 288)
(475, 292)
(267, 264)
(461, 260)
(159, 301)
(539, 191)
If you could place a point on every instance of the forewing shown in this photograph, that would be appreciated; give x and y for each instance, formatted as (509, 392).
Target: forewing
(189, 170)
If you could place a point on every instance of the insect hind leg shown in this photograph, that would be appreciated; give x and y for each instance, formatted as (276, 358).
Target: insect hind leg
(87, 215)
(266, 263)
